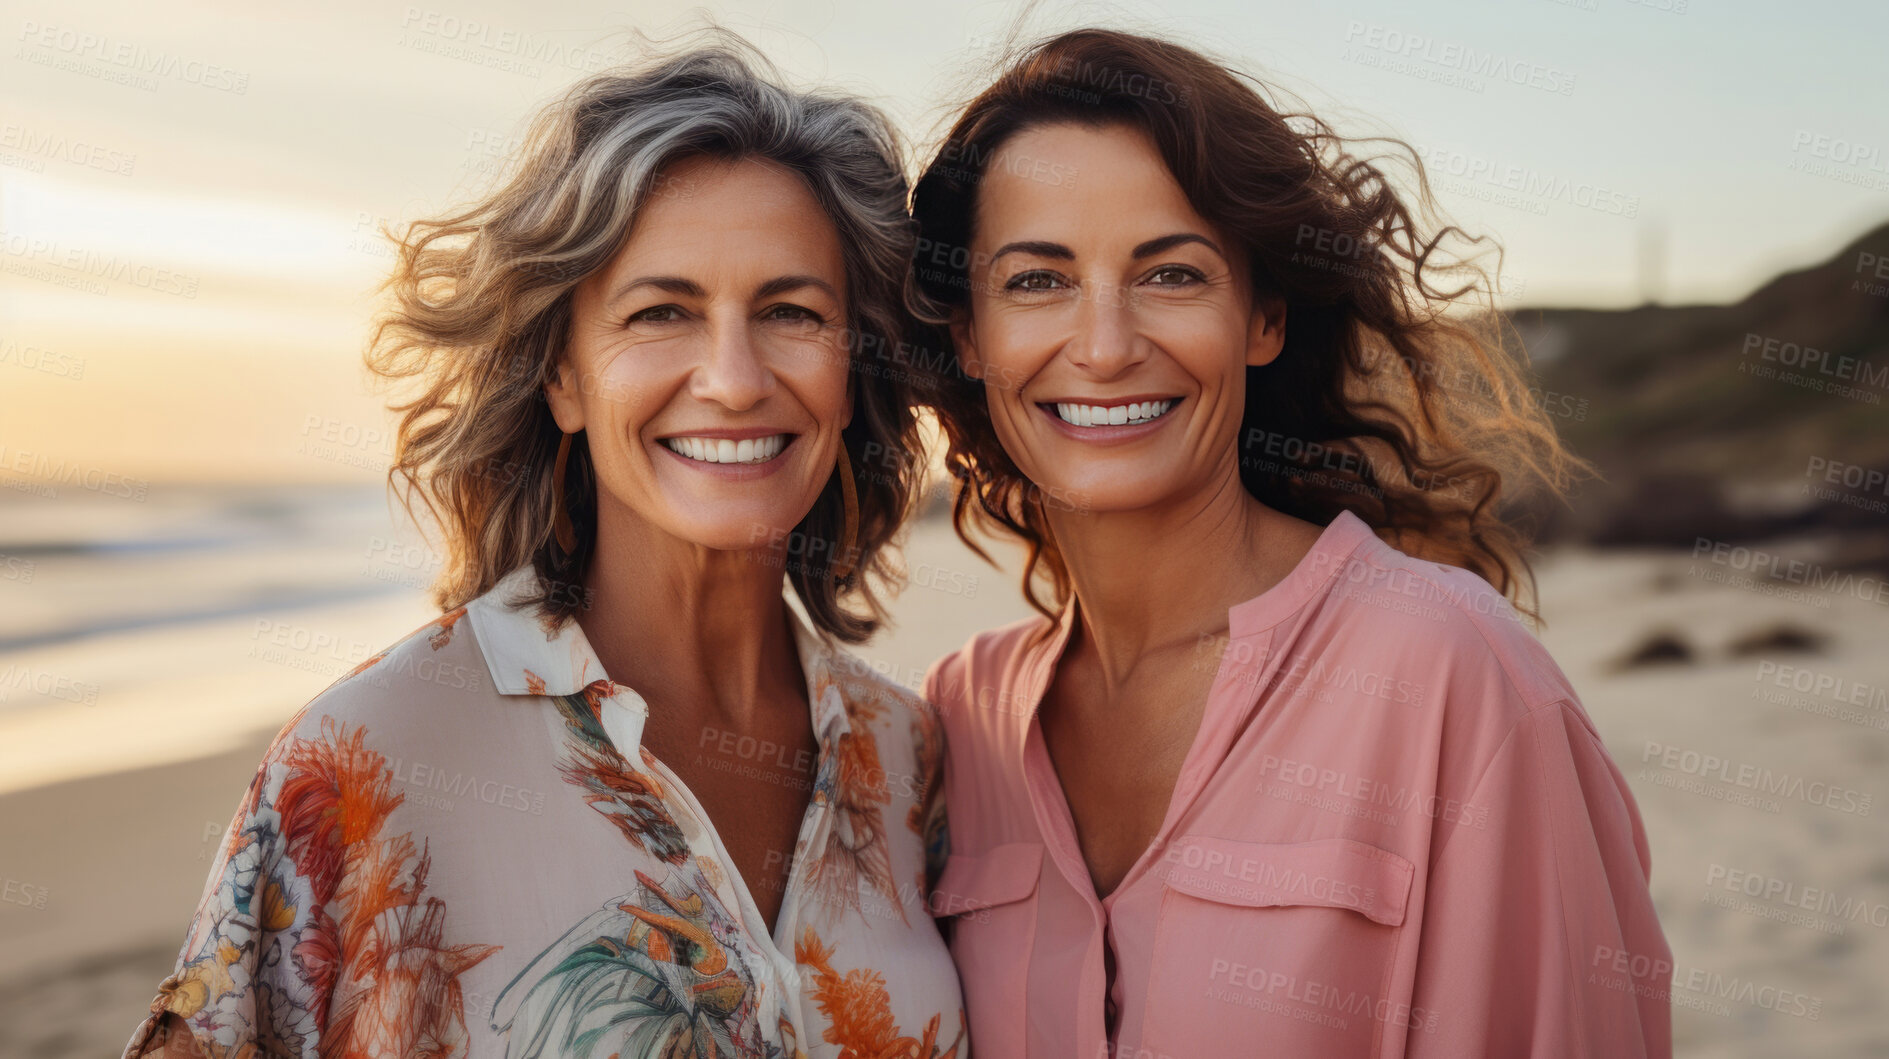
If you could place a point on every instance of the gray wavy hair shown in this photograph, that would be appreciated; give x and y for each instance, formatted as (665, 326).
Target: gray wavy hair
(481, 311)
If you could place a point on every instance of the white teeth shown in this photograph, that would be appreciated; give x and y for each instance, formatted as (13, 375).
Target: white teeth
(724, 450)
(1095, 415)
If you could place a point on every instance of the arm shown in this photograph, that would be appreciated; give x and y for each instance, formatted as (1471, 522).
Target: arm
(1530, 901)
(239, 985)
(168, 1038)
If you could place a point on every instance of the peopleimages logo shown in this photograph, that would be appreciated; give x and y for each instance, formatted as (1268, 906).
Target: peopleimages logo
(435, 783)
(51, 685)
(1528, 183)
(496, 46)
(1310, 1000)
(1759, 778)
(1826, 685)
(40, 144)
(131, 58)
(96, 265)
(1823, 362)
(1664, 979)
(1815, 899)
(45, 471)
(1325, 677)
(1840, 150)
(1766, 566)
(1457, 58)
(1367, 790)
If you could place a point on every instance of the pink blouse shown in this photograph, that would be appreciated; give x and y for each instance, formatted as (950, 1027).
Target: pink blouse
(1396, 833)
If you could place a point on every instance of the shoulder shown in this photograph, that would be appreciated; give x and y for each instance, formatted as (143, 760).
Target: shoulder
(985, 669)
(1443, 619)
(860, 682)
(434, 670)
(906, 727)
(907, 737)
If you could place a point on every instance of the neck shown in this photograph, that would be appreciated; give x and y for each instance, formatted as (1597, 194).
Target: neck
(686, 624)
(1158, 578)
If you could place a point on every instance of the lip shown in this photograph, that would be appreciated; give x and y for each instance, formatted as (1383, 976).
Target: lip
(732, 472)
(731, 433)
(1110, 435)
(1110, 402)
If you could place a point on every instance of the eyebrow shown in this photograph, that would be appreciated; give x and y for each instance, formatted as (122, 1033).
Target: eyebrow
(1038, 247)
(1169, 242)
(1043, 248)
(690, 289)
(668, 284)
(783, 284)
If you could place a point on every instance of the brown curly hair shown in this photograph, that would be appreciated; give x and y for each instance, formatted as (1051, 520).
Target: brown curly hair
(481, 306)
(1383, 402)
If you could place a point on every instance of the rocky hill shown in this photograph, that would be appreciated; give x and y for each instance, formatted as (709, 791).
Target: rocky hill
(1765, 417)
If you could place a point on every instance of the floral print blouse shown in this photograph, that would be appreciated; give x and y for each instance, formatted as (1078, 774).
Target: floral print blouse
(461, 848)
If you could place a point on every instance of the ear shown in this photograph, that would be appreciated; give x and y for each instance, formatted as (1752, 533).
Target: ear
(562, 394)
(1266, 332)
(965, 344)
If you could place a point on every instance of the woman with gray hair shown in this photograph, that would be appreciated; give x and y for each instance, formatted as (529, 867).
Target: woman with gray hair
(623, 797)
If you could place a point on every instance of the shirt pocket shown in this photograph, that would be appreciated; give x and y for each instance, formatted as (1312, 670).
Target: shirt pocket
(991, 899)
(1285, 943)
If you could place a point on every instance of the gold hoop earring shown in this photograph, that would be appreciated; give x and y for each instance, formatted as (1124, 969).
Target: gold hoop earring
(849, 495)
(561, 517)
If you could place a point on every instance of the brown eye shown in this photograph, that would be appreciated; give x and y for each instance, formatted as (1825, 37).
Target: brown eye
(793, 314)
(656, 314)
(1174, 276)
(1033, 280)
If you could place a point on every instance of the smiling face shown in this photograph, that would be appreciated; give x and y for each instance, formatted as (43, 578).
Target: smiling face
(707, 362)
(1111, 323)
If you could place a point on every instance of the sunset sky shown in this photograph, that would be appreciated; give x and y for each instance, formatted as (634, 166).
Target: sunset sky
(188, 192)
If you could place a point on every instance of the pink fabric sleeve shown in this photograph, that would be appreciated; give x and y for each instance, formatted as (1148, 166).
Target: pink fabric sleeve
(1539, 935)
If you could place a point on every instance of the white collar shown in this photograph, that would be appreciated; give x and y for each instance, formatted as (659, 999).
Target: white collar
(528, 656)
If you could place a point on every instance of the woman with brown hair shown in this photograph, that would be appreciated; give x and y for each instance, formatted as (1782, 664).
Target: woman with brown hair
(623, 798)
(1278, 770)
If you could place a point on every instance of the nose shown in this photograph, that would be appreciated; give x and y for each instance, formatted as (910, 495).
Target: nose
(1106, 342)
(733, 373)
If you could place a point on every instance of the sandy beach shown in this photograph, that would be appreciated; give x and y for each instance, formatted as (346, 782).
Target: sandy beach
(110, 808)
